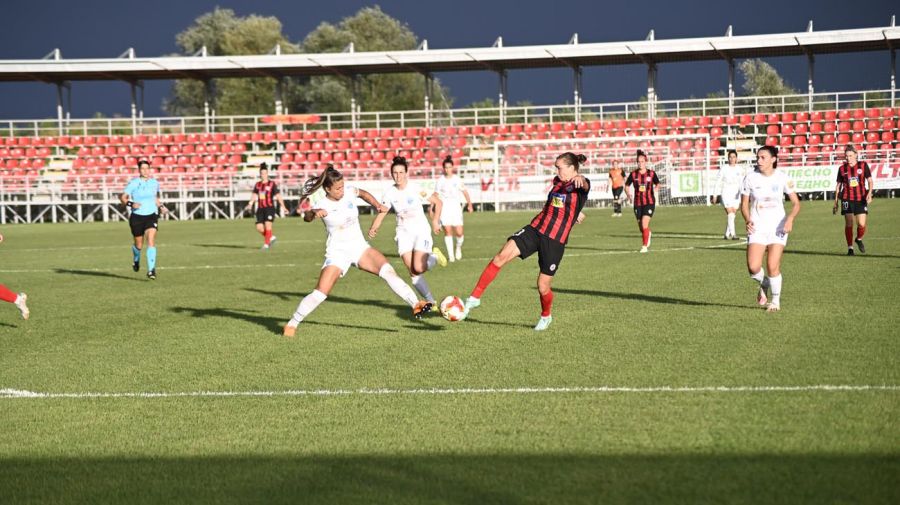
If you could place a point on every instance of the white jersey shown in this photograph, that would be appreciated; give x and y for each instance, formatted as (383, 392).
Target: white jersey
(342, 221)
(728, 182)
(407, 203)
(767, 197)
(450, 189)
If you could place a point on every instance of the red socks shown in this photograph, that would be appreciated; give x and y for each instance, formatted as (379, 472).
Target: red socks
(848, 234)
(6, 295)
(645, 233)
(860, 231)
(268, 235)
(546, 303)
(487, 277)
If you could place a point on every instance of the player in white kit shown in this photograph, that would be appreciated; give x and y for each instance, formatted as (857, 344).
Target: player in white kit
(414, 242)
(451, 190)
(762, 205)
(346, 245)
(728, 186)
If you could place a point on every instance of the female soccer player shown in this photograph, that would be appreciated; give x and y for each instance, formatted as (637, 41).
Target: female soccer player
(547, 235)
(762, 205)
(141, 195)
(345, 245)
(265, 194)
(16, 299)
(728, 185)
(414, 243)
(616, 184)
(450, 189)
(645, 183)
(854, 189)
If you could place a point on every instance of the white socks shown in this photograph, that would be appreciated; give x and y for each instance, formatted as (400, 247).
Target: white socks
(307, 305)
(775, 285)
(422, 287)
(459, 243)
(399, 287)
(730, 229)
(448, 241)
(761, 278)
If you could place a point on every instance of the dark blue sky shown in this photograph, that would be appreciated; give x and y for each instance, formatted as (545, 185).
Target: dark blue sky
(94, 28)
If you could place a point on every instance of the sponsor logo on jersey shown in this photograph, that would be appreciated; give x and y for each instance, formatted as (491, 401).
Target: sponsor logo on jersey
(558, 199)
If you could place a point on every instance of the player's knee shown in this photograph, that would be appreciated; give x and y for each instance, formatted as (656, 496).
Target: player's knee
(387, 271)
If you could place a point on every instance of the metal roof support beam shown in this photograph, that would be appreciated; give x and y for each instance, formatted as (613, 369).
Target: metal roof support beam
(810, 71)
(59, 106)
(503, 96)
(429, 92)
(279, 95)
(579, 93)
(893, 76)
(355, 108)
(651, 90)
(730, 86)
(209, 110)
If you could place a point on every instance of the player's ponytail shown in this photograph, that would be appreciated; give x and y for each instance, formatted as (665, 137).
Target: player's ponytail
(773, 151)
(325, 180)
(572, 159)
(448, 159)
(399, 160)
(640, 154)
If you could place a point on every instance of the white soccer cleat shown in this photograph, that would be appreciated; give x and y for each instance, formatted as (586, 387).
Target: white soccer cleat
(761, 297)
(272, 240)
(543, 323)
(471, 303)
(20, 303)
(458, 253)
(644, 249)
(772, 307)
(265, 247)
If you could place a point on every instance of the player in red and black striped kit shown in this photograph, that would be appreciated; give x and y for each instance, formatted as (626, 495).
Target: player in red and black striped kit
(854, 189)
(265, 194)
(546, 235)
(641, 188)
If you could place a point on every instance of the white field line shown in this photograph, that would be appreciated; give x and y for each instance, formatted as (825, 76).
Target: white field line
(18, 393)
(291, 265)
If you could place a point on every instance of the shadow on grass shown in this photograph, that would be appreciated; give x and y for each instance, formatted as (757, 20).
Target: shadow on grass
(456, 479)
(225, 246)
(7, 325)
(650, 298)
(272, 324)
(402, 311)
(497, 323)
(788, 250)
(92, 273)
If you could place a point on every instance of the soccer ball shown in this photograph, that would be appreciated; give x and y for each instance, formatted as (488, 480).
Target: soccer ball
(452, 308)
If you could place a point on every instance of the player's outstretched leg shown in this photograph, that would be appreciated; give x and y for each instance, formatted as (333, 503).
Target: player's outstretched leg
(19, 300)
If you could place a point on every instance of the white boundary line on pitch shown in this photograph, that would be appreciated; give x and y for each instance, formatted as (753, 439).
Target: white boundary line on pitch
(18, 393)
(290, 265)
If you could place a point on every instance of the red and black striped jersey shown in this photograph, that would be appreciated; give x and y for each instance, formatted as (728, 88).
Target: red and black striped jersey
(853, 181)
(564, 203)
(644, 184)
(266, 192)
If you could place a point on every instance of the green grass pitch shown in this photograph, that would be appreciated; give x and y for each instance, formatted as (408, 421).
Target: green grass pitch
(683, 316)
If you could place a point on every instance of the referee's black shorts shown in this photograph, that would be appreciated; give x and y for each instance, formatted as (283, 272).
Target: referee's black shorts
(550, 252)
(140, 224)
(265, 214)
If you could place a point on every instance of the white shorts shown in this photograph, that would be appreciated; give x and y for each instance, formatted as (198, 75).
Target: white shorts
(413, 241)
(768, 234)
(345, 255)
(451, 214)
(730, 203)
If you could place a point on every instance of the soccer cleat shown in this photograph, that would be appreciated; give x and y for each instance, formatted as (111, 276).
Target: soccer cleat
(289, 331)
(441, 259)
(421, 309)
(735, 237)
(265, 247)
(644, 249)
(472, 302)
(543, 323)
(136, 266)
(727, 236)
(152, 275)
(850, 251)
(862, 247)
(20, 303)
(761, 297)
(458, 253)
(272, 241)
(772, 307)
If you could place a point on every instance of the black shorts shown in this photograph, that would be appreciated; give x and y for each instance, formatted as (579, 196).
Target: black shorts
(266, 214)
(140, 224)
(644, 210)
(617, 192)
(855, 208)
(550, 252)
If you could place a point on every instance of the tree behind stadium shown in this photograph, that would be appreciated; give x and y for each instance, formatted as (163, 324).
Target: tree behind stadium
(224, 33)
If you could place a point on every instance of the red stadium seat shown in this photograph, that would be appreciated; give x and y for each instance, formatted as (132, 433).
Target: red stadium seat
(802, 117)
(816, 116)
(786, 141)
(787, 117)
(800, 140)
(843, 115)
(816, 127)
(772, 129)
(787, 129)
(829, 139)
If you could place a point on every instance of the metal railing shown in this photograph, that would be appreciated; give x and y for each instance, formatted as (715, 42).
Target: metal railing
(455, 117)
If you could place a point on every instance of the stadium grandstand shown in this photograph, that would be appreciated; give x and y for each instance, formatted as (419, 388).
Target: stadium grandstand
(72, 169)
